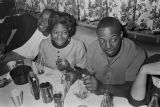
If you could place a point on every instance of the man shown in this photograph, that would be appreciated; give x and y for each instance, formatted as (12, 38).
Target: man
(114, 59)
(25, 25)
(30, 44)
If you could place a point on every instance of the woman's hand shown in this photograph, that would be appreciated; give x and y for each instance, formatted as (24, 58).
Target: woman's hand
(62, 64)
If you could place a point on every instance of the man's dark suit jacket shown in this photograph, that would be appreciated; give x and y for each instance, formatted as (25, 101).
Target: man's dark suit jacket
(25, 26)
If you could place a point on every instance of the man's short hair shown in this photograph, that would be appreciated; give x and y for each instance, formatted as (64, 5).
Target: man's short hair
(110, 22)
(47, 11)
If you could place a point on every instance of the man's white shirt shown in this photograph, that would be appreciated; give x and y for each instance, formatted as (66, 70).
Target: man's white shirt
(31, 48)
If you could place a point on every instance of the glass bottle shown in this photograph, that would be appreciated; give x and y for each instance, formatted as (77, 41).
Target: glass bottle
(107, 100)
(34, 85)
(154, 101)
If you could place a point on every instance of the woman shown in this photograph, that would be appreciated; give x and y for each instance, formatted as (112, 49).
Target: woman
(61, 46)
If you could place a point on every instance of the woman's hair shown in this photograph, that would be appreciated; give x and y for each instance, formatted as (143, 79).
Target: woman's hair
(65, 19)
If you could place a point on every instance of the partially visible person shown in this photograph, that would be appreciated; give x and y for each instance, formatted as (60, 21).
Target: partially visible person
(27, 41)
(114, 60)
(29, 49)
(61, 48)
(25, 25)
(147, 83)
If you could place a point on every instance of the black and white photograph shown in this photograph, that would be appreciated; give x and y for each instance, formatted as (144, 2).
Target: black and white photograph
(79, 53)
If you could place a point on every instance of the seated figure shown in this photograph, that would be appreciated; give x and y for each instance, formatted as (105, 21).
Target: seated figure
(114, 60)
(24, 24)
(147, 84)
(26, 40)
(61, 46)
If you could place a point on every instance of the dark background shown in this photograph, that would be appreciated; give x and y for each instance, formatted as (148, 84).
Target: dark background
(7, 7)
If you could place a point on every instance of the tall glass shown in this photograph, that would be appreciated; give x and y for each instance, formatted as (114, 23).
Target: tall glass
(40, 64)
(107, 100)
(65, 81)
(46, 92)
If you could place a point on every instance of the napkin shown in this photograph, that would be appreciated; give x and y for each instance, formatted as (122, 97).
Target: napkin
(73, 101)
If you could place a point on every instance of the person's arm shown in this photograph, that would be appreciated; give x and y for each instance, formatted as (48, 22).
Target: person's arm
(99, 88)
(12, 56)
(5, 33)
(7, 26)
(80, 55)
(27, 51)
(135, 65)
(138, 90)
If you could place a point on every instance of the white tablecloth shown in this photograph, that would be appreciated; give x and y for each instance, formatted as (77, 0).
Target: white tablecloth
(92, 100)
(54, 77)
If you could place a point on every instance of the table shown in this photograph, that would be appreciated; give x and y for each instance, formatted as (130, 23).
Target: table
(54, 77)
(92, 100)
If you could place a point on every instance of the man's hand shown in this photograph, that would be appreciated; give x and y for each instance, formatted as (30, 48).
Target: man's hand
(90, 82)
(81, 71)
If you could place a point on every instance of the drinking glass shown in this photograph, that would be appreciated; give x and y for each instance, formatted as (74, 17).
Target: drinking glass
(107, 100)
(58, 100)
(46, 92)
(66, 82)
(40, 64)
